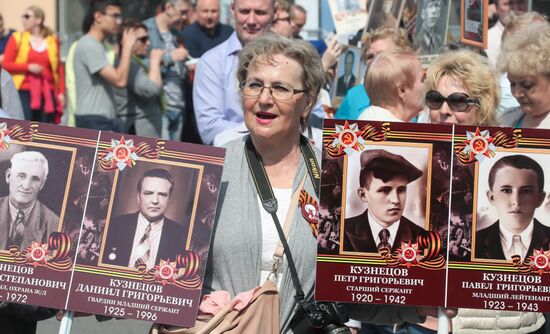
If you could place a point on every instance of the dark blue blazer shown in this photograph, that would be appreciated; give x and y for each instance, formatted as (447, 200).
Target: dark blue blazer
(358, 235)
(120, 237)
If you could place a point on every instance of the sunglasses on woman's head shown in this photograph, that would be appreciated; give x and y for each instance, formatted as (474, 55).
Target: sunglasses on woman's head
(458, 102)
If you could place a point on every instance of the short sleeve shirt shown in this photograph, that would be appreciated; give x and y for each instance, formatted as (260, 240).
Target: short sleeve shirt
(94, 95)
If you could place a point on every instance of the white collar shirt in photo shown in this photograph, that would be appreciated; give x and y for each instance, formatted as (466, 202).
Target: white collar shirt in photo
(156, 231)
(506, 240)
(375, 228)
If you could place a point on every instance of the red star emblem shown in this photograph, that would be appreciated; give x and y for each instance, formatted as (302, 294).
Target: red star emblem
(409, 253)
(165, 271)
(37, 253)
(480, 143)
(347, 137)
(540, 261)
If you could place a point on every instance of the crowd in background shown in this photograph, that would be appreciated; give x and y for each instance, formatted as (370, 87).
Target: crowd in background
(173, 76)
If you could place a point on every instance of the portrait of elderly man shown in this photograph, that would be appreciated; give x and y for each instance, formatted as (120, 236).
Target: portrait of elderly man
(430, 36)
(383, 181)
(23, 218)
(146, 236)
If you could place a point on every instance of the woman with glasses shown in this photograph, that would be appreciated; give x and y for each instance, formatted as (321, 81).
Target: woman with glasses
(140, 103)
(462, 89)
(32, 57)
(279, 83)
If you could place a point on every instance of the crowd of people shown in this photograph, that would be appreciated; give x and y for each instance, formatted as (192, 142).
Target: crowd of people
(183, 75)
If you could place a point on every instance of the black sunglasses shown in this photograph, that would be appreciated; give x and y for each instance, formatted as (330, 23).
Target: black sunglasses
(143, 39)
(458, 102)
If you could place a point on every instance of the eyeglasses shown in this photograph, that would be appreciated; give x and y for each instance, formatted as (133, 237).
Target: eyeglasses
(26, 16)
(287, 19)
(116, 16)
(458, 102)
(143, 39)
(279, 91)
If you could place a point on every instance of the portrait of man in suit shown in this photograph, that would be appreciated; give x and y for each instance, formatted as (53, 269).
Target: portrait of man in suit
(23, 218)
(383, 181)
(516, 190)
(347, 80)
(146, 236)
(428, 39)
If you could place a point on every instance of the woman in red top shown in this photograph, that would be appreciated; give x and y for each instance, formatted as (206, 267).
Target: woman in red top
(32, 57)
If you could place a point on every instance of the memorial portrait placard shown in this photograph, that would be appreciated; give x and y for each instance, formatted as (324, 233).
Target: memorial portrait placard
(383, 213)
(349, 72)
(499, 234)
(349, 16)
(474, 22)
(432, 21)
(45, 173)
(384, 13)
(144, 242)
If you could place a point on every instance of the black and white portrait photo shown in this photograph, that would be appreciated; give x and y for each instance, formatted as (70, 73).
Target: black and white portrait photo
(431, 26)
(386, 198)
(32, 194)
(384, 13)
(150, 216)
(512, 207)
(348, 71)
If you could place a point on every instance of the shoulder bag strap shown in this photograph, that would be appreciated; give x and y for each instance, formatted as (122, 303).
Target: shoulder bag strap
(269, 202)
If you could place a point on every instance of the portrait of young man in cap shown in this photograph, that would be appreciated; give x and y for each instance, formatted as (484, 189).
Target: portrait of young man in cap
(383, 182)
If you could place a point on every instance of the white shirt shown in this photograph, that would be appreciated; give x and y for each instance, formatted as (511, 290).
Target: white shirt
(156, 231)
(375, 227)
(494, 41)
(270, 236)
(506, 238)
(374, 113)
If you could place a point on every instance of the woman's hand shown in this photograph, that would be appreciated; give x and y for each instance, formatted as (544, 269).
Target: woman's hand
(35, 68)
(156, 56)
(432, 311)
(129, 38)
(61, 100)
(331, 55)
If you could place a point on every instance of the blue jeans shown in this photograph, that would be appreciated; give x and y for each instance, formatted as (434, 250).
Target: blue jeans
(38, 115)
(98, 123)
(172, 123)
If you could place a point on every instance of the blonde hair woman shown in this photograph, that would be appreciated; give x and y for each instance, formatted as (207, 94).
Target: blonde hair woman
(32, 57)
(462, 89)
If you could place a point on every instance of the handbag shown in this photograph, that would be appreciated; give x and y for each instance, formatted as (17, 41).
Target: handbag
(261, 313)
